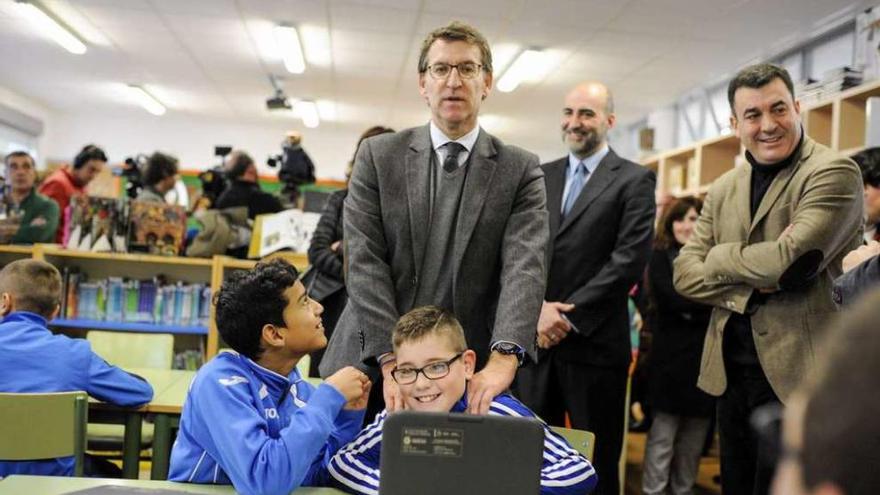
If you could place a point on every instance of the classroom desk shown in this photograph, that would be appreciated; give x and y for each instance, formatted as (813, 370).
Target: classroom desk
(54, 485)
(169, 393)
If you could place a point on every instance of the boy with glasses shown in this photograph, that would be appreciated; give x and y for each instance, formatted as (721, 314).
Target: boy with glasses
(433, 368)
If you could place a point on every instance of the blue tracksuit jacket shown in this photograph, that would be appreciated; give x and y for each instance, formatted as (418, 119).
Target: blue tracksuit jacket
(33, 360)
(260, 431)
(355, 468)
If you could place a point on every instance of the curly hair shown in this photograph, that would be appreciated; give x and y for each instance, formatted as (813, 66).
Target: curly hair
(248, 300)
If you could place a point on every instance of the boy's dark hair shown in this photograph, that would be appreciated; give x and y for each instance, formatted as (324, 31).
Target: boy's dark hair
(869, 163)
(674, 213)
(457, 31)
(428, 320)
(757, 76)
(88, 153)
(19, 154)
(159, 167)
(841, 436)
(247, 300)
(35, 285)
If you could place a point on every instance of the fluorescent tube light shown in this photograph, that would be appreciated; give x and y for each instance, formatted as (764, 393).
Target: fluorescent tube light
(146, 100)
(49, 25)
(291, 50)
(530, 65)
(308, 112)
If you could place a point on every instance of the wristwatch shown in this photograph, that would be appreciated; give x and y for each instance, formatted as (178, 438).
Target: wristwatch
(509, 348)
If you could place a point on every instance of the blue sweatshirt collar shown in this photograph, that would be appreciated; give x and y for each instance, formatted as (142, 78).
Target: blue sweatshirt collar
(26, 316)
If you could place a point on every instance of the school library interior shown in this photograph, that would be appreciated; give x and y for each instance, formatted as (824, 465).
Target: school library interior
(410, 247)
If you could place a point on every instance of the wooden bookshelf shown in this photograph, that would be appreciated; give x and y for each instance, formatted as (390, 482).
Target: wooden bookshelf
(838, 122)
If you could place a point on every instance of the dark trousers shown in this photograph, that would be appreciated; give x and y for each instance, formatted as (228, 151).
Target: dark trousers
(594, 398)
(747, 390)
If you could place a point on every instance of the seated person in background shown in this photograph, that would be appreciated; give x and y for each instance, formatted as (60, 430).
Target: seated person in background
(159, 177)
(33, 360)
(30, 216)
(243, 189)
(67, 182)
(250, 419)
(433, 369)
(830, 434)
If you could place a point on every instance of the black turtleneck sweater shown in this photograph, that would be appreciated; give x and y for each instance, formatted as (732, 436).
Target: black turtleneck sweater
(739, 344)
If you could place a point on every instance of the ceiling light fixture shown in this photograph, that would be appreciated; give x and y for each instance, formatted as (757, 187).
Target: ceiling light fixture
(50, 25)
(291, 49)
(308, 112)
(531, 65)
(146, 100)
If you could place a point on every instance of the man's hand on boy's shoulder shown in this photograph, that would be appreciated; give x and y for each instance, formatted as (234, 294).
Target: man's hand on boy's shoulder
(350, 382)
(492, 381)
(390, 389)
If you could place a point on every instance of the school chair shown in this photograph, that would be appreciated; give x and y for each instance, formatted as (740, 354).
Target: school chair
(44, 426)
(128, 350)
(581, 440)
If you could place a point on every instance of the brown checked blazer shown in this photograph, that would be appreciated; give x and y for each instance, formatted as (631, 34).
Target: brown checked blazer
(731, 255)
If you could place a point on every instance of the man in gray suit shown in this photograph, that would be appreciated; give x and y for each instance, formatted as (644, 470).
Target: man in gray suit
(445, 214)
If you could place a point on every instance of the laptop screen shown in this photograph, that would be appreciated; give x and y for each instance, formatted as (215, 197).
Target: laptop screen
(461, 454)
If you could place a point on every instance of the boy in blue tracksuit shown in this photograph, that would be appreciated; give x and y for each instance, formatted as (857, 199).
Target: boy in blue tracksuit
(249, 418)
(33, 360)
(432, 370)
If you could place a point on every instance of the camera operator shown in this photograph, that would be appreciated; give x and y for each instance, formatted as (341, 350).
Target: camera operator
(243, 189)
(159, 177)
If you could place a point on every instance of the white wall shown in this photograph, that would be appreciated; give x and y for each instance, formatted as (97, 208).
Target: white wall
(192, 140)
(33, 109)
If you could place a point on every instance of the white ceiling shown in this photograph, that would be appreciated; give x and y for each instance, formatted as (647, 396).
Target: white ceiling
(203, 57)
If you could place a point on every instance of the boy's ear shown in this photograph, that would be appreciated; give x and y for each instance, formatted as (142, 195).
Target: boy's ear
(55, 312)
(7, 303)
(272, 336)
(469, 359)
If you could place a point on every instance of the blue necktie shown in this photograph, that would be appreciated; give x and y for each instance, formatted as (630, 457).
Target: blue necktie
(574, 190)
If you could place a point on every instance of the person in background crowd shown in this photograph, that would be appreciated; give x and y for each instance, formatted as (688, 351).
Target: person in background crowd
(159, 177)
(68, 182)
(831, 436)
(601, 209)
(327, 285)
(682, 412)
(30, 216)
(869, 163)
(765, 251)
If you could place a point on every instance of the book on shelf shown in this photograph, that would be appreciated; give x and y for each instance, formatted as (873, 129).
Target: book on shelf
(116, 299)
(95, 224)
(289, 229)
(156, 228)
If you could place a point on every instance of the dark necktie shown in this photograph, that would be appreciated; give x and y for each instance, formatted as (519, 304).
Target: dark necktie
(453, 149)
(574, 189)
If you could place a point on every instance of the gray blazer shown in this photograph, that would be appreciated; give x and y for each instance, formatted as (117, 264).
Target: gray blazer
(499, 251)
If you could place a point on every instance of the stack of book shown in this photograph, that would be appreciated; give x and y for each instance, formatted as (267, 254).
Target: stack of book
(135, 301)
(841, 78)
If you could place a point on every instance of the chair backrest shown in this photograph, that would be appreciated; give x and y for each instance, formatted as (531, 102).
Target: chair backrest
(582, 441)
(134, 350)
(44, 426)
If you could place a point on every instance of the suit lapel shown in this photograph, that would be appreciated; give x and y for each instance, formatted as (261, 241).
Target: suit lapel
(779, 184)
(601, 178)
(554, 178)
(476, 187)
(743, 196)
(417, 179)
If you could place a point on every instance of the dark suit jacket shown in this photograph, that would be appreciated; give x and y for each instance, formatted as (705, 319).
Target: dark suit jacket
(597, 253)
(498, 255)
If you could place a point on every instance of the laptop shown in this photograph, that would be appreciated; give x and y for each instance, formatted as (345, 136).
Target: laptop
(460, 454)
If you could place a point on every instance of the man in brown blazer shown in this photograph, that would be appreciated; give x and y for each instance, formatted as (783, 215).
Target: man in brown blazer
(764, 253)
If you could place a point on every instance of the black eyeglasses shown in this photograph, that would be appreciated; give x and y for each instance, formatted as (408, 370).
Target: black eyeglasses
(466, 70)
(433, 371)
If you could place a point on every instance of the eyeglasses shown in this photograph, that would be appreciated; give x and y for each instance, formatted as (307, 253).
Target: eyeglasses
(466, 70)
(433, 371)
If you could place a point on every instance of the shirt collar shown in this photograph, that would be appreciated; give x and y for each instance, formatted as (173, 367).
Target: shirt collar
(277, 385)
(26, 316)
(438, 138)
(591, 162)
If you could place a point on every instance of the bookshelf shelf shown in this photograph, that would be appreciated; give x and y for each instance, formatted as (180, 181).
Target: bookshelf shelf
(54, 251)
(128, 326)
